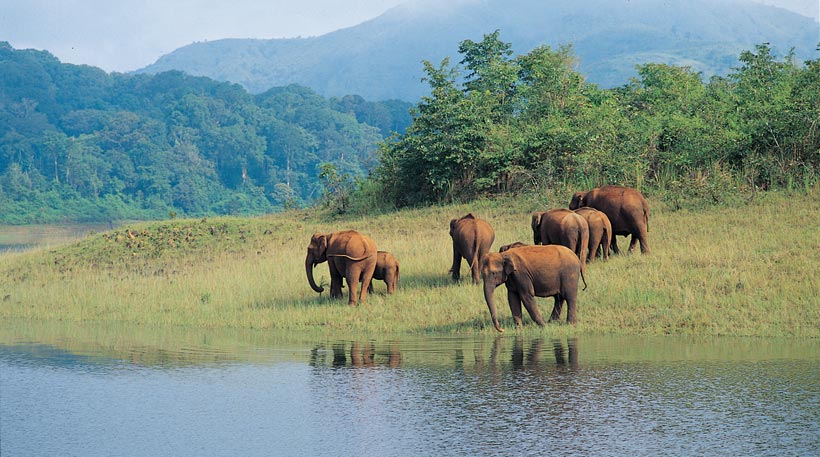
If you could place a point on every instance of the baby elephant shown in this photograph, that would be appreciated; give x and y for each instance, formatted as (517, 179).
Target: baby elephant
(529, 272)
(387, 270)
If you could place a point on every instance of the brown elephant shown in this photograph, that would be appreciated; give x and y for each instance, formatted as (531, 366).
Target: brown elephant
(564, 227)
(349, 254)
(626, 208)
(529, 272)
(387, 270)
(472, 239)
(600, 232)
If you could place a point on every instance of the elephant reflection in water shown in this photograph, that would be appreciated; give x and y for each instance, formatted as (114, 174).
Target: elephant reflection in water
(358, 355)
(565, 354)
(563, 357)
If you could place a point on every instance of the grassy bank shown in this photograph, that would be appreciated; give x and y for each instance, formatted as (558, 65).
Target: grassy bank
(743, 270)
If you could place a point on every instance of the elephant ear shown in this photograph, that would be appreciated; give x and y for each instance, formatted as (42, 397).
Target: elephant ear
(320, 241)
(452, 225)
(536, 220)
(510, 265)
(578, 200)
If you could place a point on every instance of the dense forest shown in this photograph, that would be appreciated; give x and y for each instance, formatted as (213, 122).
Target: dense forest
(498, 123)
(79, 144)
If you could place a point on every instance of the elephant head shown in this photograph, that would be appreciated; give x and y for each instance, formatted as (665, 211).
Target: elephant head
(316, 254)
(495, 268)
(578, 200)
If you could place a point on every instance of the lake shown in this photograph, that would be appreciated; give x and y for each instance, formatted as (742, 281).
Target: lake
(73, 390)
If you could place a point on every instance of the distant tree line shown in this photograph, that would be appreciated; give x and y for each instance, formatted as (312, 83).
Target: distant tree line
(499, 123)
(77, 143)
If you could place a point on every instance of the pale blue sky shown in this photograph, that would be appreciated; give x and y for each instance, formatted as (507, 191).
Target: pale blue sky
(124, 35)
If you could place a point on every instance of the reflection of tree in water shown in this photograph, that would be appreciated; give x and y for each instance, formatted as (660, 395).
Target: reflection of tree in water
(357, 354)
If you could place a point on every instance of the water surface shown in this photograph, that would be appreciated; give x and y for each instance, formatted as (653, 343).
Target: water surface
(95, 391)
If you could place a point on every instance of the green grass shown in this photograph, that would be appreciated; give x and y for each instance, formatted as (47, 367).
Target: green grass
(748, 270)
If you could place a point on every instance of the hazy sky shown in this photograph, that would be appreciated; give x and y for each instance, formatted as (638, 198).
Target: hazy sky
(124, 35)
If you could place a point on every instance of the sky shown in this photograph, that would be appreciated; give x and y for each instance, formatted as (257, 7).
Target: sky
(126, 35)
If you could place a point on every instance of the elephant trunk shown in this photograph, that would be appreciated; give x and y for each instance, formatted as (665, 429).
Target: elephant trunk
(309, 263)
(489, 296)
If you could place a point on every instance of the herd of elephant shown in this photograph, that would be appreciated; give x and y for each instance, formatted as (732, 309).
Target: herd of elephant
(564, 241)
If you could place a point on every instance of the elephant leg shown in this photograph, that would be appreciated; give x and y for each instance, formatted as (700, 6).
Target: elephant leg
(571, 309)
(556, 309)
(365, 269)
(370, 287)
(391, 281)
(476, 271)
(643, 239)
(633, 242)
(515, 306)
(532, 308)
(335, 280)
(455, 270)
(614, 245)
(593, 249)
(353, 278)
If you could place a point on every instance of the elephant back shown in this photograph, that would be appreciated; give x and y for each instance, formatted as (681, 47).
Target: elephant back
(351, 244)
(624, 207)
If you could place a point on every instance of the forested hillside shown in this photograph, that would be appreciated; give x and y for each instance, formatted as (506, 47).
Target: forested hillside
(79, 144)
(380, 59)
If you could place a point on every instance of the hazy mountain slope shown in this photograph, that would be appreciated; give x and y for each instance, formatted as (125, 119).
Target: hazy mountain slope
(381, 58)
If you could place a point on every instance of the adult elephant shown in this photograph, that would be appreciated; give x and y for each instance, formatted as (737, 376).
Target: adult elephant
(529, 272)
(472, 239)
(626, 208)
(600, 231)
(349, 254)
(564, 227)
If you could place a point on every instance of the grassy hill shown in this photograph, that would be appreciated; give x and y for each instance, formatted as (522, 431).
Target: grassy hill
(743, 270)
(380, 59)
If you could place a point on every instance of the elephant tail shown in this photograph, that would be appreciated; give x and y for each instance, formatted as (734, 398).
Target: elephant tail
(475, 250)
(583, 279)
(646, 216)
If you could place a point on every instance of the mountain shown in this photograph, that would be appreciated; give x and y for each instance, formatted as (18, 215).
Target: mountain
(381, 59)
(80, 144)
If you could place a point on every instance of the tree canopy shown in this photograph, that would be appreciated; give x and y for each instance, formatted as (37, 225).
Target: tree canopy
(499, 122)
(77, 143)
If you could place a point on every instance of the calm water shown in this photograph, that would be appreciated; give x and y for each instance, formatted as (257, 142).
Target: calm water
(123, 392)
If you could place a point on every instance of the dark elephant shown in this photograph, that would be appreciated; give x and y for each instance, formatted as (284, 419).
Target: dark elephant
(349, 254)
(472, 239)
(600, 231)
(564, 227)
(626, 208)
(387, 270)
(529, 272)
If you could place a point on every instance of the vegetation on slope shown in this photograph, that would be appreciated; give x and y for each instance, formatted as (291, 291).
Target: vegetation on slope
(78, 144)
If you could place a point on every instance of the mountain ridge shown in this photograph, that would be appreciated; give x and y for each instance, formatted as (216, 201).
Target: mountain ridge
(381, 58)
